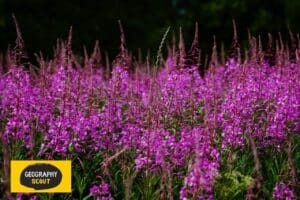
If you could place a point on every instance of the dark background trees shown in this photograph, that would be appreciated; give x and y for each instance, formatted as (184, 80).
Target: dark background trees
(144, 22)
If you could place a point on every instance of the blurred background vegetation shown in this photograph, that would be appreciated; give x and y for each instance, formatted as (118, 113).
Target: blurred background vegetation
(144, 22)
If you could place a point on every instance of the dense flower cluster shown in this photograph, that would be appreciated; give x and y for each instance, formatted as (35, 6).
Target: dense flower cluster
(101, 191)
(170, 119)
(283, 191)
(199, 182)
(260, 102)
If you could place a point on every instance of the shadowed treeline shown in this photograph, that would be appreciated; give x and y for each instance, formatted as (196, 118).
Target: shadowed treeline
(42, 22)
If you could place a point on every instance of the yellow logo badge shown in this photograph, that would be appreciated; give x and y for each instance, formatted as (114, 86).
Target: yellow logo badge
(40, 176)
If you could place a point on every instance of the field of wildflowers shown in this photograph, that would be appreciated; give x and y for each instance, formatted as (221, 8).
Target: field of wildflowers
(179, 129)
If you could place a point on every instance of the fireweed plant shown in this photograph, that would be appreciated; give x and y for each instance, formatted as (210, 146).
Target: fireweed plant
(172, 131)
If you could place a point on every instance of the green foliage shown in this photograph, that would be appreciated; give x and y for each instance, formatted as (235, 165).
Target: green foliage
(232, 185)
(149, 187)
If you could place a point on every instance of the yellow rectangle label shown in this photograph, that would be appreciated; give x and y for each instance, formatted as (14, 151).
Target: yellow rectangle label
(40, 176)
